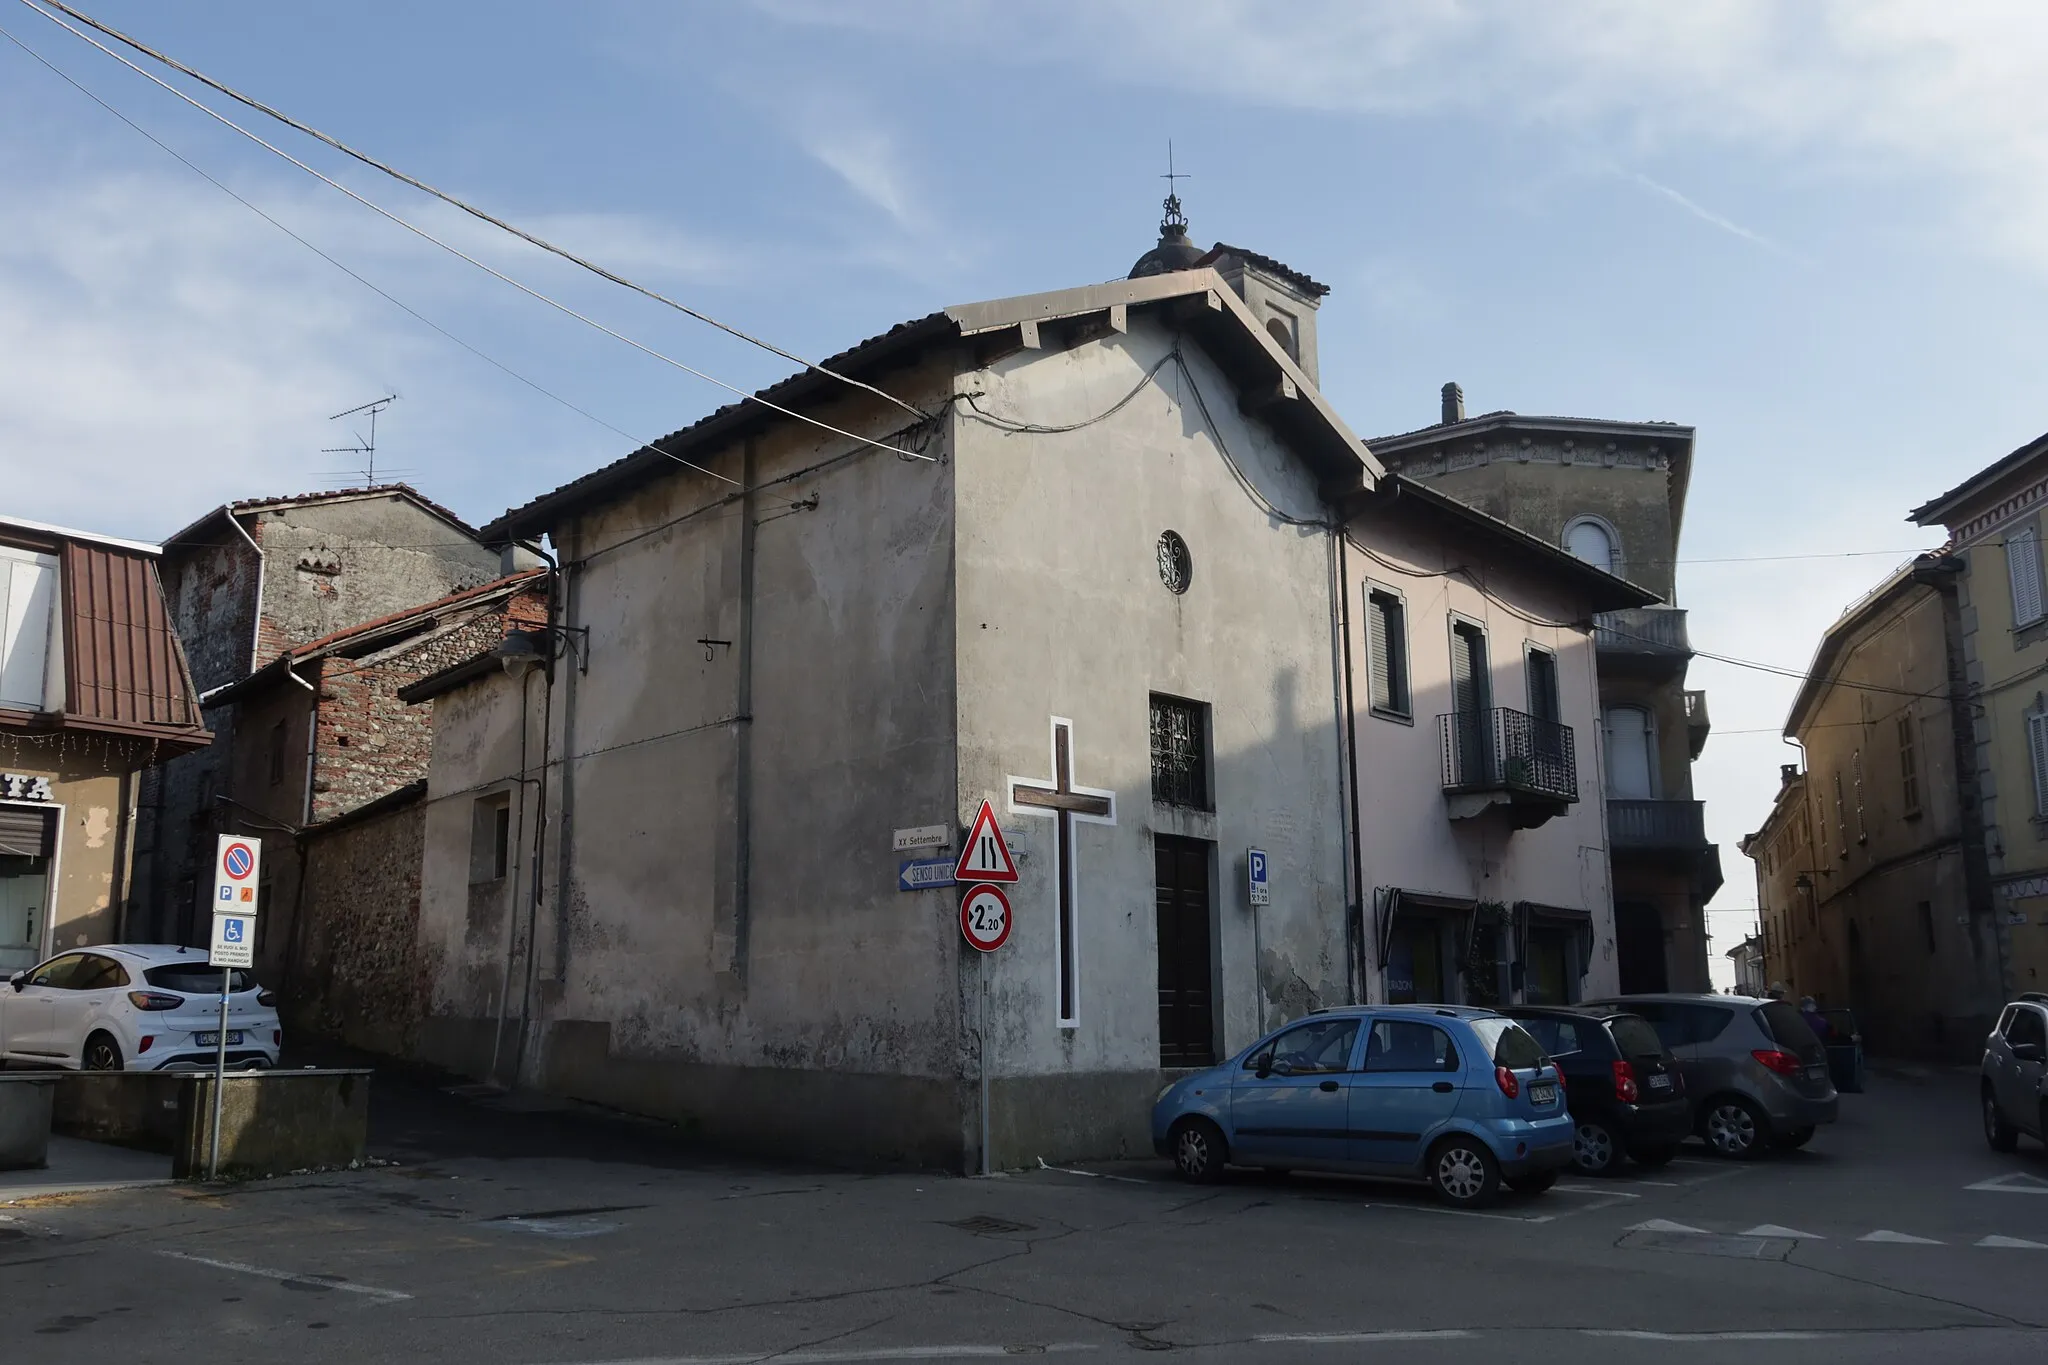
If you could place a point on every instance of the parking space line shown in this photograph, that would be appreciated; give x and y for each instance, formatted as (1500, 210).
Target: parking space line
(1627, 1335)
(1594, 1189)
(292, 1278)
(1357, 1338)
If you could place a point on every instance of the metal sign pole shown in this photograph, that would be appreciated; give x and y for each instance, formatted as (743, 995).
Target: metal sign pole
(220, 1075)
(982, 1066)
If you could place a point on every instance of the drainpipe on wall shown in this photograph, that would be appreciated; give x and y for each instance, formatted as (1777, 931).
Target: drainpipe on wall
(1347, 742)
(537, 883)
(291, 960)
(565, 826)
(743, 723)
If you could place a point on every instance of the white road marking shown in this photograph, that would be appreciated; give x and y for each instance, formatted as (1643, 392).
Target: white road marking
(1351, 1338)
(958, 1352)
(1594, 1189)
(1899, 1238)
(1468, 1213)
(2019, 1182)
(558, 1227)
(1704, 1336)
(1666, 1225)
(2012, 1243)
(1666, 1184)
(293, 1277)
(1774, 1230)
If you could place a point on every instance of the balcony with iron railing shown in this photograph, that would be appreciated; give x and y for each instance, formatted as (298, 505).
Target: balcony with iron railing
(1500, 757)
(1697, 723)
(1653, 637)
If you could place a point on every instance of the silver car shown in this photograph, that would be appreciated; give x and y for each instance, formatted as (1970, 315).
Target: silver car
(2015, 1074)
(1757, 1075)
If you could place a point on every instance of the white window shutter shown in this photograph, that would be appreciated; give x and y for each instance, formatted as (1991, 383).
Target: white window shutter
(2037, 750)
(2023, 565)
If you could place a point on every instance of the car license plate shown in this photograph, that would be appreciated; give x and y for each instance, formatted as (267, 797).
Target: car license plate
(1816, 1073)
(213, 1039)
(1543, 1094)
(1660, 1082)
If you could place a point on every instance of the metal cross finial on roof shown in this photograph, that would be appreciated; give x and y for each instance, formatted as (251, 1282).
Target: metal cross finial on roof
(1175, 219)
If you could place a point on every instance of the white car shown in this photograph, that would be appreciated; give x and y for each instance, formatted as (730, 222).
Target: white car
(135, 1007)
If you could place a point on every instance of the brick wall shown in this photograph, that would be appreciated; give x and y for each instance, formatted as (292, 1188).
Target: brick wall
(369, 742)
(359, 974)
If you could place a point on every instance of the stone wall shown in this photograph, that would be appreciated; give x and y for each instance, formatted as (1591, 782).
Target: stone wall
(356, 972)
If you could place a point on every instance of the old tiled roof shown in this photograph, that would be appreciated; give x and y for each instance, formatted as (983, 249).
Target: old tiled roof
(723, 423)
(404, 490)
(1934, 508)
(1280, 268)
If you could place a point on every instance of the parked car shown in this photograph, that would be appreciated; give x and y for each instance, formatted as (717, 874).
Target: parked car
(2014, 1085)
(1623, 1087)
(1461, 1098)
(135, 1007)
(1757, 1076)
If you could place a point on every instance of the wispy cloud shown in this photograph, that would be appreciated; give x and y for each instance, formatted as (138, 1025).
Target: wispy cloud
(867, 159)
(1707, 215)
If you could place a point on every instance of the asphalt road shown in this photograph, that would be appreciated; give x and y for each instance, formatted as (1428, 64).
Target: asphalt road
(533, 1239)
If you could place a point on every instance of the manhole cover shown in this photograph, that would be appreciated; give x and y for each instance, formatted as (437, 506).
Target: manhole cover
(988, 1225)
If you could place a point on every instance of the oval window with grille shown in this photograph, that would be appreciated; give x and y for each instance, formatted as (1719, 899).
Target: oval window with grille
(1176, 566)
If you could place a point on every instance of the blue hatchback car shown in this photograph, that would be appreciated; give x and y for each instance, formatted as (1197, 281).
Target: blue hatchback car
(1461, 1098)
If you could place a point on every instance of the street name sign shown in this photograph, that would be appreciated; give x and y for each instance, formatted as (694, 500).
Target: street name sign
(985, 917)
(924, 836)
(984, 857)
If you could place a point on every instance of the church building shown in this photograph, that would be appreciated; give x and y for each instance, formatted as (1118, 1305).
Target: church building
(1265, 727)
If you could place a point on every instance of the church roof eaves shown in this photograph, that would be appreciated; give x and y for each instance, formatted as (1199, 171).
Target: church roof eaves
(1216, 317)
(715, 428)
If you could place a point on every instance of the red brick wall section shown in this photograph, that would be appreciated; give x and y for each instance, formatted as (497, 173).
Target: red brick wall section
(362, 977)
(370, 743)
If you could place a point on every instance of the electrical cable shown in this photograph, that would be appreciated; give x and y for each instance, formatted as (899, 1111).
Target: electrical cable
(388, 297)
(452, 200)
(1035, 429)
(464, 256)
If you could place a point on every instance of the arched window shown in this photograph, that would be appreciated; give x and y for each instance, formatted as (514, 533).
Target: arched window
(1631, 753)
(1593, 542)
(1281, 331)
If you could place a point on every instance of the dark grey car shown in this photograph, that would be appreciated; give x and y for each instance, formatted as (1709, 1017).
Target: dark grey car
(1757, 1075)
(2015, 1074)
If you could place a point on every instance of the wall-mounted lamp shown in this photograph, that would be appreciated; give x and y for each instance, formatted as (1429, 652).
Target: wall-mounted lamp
(531, 647)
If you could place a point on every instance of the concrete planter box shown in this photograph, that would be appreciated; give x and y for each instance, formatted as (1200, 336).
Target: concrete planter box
(272, 1122)
(25, 1105)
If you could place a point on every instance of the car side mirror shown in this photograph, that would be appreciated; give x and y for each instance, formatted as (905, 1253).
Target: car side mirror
(2026, 1052)
(18, 980)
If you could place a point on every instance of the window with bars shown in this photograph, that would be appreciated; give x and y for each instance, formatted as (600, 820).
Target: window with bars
(1909, 767)
(2023, 567)
(1180, 752)
(1387, 627)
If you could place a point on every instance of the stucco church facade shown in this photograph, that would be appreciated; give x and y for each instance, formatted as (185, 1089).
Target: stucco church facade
(1105, 558)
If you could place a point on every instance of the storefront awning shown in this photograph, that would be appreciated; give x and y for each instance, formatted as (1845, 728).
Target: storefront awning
(1394, 902)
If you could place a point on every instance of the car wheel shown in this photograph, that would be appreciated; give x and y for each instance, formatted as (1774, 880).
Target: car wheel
(1198, 1151)
(1595, 1149)
(1651, 1158)
(1797, 1138)
(101, 1053)
(1536, 1182)
(1735, 1128)
(2002, 1136)
(1463, 1173)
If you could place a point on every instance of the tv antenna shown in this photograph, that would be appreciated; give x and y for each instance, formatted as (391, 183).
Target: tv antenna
(365, 446)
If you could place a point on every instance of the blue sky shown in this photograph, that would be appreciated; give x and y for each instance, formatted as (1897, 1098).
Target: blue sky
(1813, 232)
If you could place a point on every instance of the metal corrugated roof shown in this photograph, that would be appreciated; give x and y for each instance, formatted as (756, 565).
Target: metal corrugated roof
(123, 663)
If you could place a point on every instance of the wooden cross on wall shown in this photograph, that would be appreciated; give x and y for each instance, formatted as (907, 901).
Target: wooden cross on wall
(1061, 800)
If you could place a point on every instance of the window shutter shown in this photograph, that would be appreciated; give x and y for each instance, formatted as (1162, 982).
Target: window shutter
(2023, 565)
(1382, 661)
(1543, 699)
(2037, 749)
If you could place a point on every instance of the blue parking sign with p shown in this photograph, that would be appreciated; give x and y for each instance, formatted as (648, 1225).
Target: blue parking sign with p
(1255, 881)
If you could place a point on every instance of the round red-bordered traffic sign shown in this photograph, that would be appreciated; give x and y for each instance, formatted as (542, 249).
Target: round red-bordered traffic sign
(238, 861)
(985, 917)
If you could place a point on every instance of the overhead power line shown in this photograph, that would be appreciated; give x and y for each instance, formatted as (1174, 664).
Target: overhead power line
(382, 293)
(493, 271)
(385, 168)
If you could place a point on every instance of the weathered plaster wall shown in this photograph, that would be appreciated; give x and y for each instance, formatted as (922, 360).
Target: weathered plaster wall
(666, 982)
(1062, 613)
(1407, 838)
(359, 970)
(92, 786)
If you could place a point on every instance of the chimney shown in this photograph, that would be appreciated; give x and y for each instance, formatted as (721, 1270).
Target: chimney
(1454, 404)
